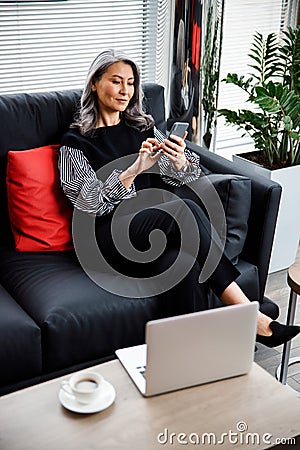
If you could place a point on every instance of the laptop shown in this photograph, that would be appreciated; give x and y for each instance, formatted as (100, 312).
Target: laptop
(193, 349)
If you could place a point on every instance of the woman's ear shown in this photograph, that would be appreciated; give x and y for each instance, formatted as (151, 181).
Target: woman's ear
(93, 86)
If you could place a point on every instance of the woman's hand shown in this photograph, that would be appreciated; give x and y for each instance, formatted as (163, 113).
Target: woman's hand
(174, 150)
(149, 154)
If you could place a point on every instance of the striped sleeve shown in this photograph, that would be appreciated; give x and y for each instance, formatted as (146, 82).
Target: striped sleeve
(81, 185)
(177, 177)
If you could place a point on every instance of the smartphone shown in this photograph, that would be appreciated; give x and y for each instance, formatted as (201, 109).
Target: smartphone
(179, 128)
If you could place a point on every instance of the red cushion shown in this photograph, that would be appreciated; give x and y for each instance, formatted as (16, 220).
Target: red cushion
(39, 211)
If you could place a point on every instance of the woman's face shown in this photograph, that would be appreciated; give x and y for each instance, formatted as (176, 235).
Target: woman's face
(115, 88)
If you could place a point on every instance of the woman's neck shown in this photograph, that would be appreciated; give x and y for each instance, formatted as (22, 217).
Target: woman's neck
(108, 120)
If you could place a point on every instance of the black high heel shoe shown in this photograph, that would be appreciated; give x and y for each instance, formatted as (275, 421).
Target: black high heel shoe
(281, 334)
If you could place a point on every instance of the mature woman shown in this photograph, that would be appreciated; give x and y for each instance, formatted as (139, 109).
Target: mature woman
(111, 124)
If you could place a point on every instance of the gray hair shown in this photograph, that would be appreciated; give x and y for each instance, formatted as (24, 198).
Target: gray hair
(88, 115)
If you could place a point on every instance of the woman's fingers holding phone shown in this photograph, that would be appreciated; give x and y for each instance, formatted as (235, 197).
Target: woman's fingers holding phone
(179, 140)
(174, 147)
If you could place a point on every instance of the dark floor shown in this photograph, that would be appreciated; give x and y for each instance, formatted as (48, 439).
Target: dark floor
(278, 290)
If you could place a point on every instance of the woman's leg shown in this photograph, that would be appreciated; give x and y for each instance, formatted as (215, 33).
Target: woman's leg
(269, 332)
(148, 220)
(136, 227)
(233, 295)
(223, 278)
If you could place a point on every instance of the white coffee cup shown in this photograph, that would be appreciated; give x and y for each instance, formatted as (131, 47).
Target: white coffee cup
(84, 386)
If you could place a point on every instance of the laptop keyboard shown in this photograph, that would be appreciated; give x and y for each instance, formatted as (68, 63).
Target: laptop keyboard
(142, 370)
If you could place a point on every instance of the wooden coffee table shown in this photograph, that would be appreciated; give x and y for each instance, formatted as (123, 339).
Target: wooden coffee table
(254, 405)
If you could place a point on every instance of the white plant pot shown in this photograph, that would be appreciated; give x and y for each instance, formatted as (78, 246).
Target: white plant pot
(287, 232)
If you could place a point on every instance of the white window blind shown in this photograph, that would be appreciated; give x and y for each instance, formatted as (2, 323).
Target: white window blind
(159, 55)
(49, 45)
(242, 18)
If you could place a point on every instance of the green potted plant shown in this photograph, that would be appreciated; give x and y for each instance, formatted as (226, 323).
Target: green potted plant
(273, 89)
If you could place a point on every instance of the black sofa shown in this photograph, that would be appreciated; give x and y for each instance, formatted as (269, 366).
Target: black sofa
(53, 318)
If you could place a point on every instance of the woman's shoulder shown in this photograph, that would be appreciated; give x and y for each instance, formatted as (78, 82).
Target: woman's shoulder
(71, 137)
(72, 132)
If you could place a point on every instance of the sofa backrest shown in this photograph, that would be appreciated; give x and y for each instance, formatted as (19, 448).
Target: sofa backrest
(34, 120)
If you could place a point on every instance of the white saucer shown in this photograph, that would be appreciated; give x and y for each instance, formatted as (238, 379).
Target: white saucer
(104, 400)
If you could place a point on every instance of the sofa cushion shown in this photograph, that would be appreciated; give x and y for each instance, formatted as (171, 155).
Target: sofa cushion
(235, 195)
(40, 213)
(20, 337)
(234, 191)
(80, 321)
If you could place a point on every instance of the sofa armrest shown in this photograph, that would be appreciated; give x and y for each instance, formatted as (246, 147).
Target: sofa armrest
(265, 199)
